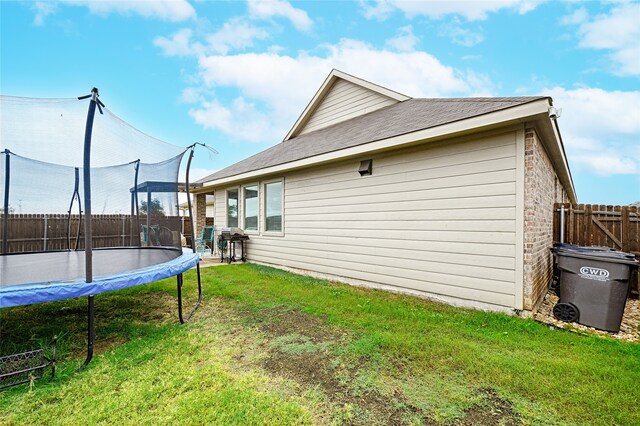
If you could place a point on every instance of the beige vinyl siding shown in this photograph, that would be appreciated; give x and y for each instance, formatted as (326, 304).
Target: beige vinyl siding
(438, 219)
(220, 207)
(345, 100)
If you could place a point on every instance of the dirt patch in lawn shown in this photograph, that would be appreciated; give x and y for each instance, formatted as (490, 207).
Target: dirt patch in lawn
(492, 411)
(301, 348)
(280, 322)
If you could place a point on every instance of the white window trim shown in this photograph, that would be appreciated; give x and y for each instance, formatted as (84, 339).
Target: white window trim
(264, 208)
(246, 231)
(226, 205)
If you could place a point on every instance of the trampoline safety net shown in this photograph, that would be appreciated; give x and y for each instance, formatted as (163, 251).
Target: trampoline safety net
(72, 180)
(134, 180)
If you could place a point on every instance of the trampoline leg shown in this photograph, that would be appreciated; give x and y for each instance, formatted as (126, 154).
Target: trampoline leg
(90, 334)
(179, 279)
(180, 283)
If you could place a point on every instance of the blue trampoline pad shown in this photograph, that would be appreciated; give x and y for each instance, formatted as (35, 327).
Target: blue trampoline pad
(44, 277)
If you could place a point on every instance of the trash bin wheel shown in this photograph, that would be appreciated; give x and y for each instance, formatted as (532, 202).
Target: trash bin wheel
(567, 312)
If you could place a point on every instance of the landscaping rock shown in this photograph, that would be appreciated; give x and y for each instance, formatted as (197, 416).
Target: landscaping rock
(629, 329)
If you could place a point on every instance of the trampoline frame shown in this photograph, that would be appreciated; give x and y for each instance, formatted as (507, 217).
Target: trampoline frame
(95, 102)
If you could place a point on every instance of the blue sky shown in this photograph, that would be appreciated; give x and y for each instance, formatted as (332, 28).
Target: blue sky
(236, 75)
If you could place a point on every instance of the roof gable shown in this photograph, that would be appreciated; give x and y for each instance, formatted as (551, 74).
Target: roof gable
(342, 97)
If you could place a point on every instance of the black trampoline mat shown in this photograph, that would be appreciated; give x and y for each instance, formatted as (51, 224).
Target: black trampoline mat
(44, 267)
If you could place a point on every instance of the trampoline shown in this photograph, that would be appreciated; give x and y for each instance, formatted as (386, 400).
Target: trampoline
(45, 277)
(47, 201)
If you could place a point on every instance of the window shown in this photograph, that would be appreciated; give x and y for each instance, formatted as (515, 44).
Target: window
(251, 208)
(232, 207)
(273, 206)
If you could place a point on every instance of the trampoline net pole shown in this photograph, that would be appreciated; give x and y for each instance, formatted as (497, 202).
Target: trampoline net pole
(75, 196)
(88, 234)
(148, 223)
(193, 247)
(187, 183)
(5, 211)
(135, 223)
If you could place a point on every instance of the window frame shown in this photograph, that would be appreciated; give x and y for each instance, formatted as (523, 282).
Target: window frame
(226, 205)
(244, 208)
(264, 207)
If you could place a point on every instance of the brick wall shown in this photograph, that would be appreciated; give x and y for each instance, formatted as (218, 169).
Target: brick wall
(200, 211)
(541, 189)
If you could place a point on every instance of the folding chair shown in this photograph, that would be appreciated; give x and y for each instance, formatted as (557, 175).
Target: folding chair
(150, 238)
(206, 240)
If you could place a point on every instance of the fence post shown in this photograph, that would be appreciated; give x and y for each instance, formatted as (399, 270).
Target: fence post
(588, 223)
(5, 208)
(571, 226)
(46, 227)
(562, 224)
(122, 217)
(625, 234)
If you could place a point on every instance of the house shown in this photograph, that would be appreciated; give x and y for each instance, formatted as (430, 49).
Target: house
(184, 207)
(445, 198)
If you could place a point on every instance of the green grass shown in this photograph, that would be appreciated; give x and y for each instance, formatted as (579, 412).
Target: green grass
(428, 359)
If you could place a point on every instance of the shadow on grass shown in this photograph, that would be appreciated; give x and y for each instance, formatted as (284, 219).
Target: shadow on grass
(119, 316)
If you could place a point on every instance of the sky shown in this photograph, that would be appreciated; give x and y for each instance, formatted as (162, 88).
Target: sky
(236, 75)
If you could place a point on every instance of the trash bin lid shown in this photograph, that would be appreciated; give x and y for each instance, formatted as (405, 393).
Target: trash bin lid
(564, 246)
(605, 256)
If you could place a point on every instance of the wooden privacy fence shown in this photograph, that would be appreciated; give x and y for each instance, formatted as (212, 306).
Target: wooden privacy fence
(44, 232)
(599, 225)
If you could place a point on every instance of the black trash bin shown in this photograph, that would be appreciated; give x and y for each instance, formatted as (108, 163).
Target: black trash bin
(555, 284)
(593, 286)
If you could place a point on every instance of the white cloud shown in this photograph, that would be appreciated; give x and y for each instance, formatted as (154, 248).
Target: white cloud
(240, 120)
(235, 34)
(617, 31)
(404, 41)
(608, 111)
(42, 9)
(460, 35)
(608, 163)
(269, 101)
(471, 10)
(179, 44)
(379, 9)
(165, 10)
(191, 95)
(577, 17)
(600, 129)
(265, 9)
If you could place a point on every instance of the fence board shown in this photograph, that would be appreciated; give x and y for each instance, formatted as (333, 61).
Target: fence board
(626, 229)
(599, 225)
(40, 232)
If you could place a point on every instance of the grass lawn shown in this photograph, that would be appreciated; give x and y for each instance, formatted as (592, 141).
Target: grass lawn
(270, 347)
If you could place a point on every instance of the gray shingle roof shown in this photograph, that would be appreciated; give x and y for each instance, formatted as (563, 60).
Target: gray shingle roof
(404, 117)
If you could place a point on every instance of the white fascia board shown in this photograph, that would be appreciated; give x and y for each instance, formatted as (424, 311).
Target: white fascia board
(552, 141)
(518, 114)
(560, 146)
(311, 106)
(564, 166)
